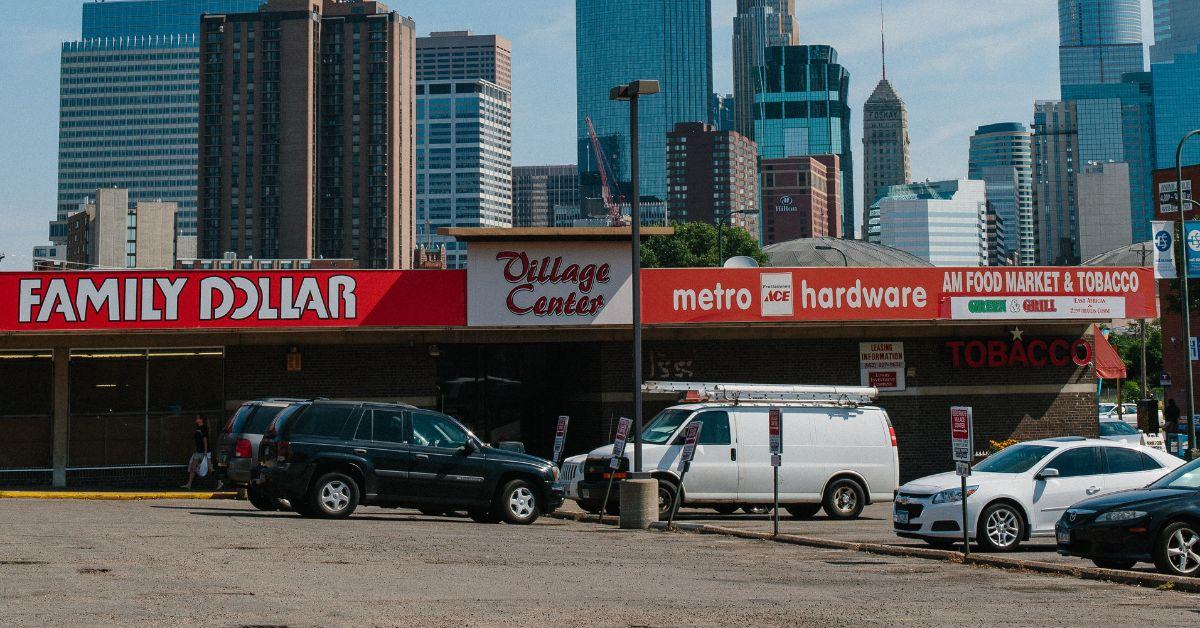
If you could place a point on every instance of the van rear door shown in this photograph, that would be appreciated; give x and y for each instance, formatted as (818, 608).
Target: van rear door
(855, 440)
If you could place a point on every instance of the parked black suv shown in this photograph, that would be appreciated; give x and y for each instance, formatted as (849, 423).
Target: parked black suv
(328, 457)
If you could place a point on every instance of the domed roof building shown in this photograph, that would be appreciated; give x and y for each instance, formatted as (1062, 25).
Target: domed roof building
(820, 252)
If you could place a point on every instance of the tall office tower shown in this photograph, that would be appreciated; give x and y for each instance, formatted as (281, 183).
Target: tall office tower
(306, 133)
(758, 25)
(1176, 29)
(1175, 108)
(1001, 156)
(1137, 136)
(885, 133)
(804, 110)
(537, 190)
(1100, 41)
(801, 198)
(710, 175)
(722, 112)
(1055, 160)
(941, 222)
(463, 55)
(885, 142)
(1102, 189)
(128, 104)
(464, 137)
(618, 41)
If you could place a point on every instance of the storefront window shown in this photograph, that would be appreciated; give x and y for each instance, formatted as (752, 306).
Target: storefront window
(26, 407)
(139, 407)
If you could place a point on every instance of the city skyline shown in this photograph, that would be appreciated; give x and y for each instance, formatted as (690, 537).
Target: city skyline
(988, 66)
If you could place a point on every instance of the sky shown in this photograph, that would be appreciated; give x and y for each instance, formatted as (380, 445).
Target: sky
(959, 64)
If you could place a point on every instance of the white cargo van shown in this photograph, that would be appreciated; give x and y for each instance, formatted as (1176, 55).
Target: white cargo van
(838, 452)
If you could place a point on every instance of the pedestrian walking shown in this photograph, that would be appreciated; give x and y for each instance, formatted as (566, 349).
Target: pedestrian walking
(198, 464)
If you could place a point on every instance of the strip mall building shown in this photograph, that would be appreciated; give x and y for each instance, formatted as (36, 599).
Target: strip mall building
(102, 373)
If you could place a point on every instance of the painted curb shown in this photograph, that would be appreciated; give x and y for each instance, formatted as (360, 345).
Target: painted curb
(116, 496)
(1149, 580)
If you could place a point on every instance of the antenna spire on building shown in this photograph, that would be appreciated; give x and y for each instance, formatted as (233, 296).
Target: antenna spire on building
(882, 40)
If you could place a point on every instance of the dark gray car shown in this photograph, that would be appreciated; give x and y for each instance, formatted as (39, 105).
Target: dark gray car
(237, 447)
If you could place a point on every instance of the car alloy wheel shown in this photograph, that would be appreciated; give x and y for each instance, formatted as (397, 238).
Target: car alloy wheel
(521, 502)
(335, 496)
(1182, 550)
(1002, 528)
(845, 499)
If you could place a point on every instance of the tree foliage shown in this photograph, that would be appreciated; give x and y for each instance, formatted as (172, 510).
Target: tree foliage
(694, 245)
(1128, 343)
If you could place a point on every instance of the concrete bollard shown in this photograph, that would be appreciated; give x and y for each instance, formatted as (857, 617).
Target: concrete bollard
(639, 504)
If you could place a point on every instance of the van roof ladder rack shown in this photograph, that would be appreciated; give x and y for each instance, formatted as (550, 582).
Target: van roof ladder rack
(782, 393)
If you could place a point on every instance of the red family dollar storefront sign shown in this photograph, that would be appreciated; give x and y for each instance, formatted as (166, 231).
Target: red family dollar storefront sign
(731, 295)
(229, 299)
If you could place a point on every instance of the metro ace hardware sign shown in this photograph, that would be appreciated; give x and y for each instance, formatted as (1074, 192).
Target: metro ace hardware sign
(47, 301)
(741, 295)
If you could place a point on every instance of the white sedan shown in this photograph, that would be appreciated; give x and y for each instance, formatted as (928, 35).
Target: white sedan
(1022, 491)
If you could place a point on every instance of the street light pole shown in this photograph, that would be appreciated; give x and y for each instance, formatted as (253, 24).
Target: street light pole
(1145, 386)
(1186, 308)
(720, 233)
(631, 92)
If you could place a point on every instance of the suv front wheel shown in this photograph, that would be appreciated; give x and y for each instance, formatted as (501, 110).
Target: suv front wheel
(517, 503)
(334, 496)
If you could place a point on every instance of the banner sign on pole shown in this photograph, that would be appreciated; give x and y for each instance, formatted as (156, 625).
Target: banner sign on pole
(962, 443)
(775, 425)
(560, 437)
(1164, 249)
(1191, 248)
(619, 444)
(691, 434)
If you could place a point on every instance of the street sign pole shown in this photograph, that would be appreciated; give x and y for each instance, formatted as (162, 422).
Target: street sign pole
(691, 434)
(614, 463)
(775, 425)
(962, 449)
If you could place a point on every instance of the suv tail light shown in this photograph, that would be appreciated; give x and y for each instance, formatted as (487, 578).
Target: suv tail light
(242, 449)
(283, 451)
(892, 433)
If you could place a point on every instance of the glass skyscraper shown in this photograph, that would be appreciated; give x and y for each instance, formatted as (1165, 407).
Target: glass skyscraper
(618, 41)
(1001, 156)
(1176, 109)
(129, 104)
(758, 25)
(1099, 40)
(1176, 29)
(803, 109)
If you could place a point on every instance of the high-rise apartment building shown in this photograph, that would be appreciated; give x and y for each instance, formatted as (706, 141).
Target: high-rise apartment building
(1001, 155)
(1102, 189)
(1175, 108)
(1055, 164)
(1176, 29)
(710, 175)
(112, 233)
(941, 222)
(463, 55)
(618, 41)
(128, 104)
(885, 142)
(306, 133)
(803, 109)
(758, 25)
(537, 190)
(801, 198)
(464, 138)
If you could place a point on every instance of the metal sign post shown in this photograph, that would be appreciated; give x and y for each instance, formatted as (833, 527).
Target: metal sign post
(775, 425)
(614, 463)
(690, 435)
(560, 437)
(962, 445)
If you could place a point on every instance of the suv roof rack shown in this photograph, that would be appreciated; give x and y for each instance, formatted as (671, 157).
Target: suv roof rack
(777, 393)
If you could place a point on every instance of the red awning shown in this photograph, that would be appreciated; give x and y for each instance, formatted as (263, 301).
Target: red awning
(1108, 362)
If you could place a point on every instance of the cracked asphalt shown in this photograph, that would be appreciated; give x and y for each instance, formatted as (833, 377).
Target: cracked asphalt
(221, 563)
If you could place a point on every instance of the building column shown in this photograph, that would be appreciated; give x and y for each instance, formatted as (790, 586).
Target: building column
(62, 410)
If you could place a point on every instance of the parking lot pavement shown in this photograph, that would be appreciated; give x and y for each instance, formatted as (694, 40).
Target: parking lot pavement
(875, 526)
(177, 562)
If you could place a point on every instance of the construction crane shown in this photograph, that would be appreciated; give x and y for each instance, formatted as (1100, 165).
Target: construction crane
(606, 196)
